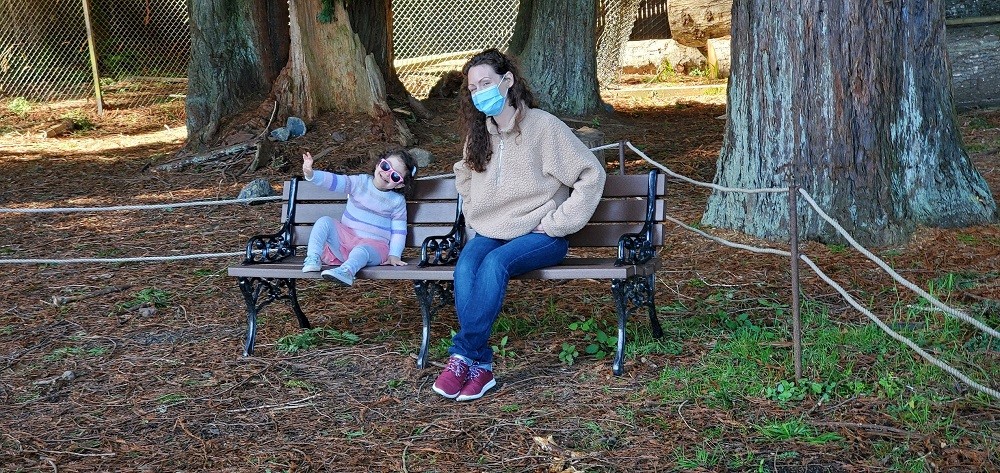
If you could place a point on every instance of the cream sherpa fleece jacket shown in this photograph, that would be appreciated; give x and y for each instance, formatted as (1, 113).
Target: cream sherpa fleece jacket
(541, 174)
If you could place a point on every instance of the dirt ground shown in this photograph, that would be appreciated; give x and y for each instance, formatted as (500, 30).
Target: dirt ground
(137, 366)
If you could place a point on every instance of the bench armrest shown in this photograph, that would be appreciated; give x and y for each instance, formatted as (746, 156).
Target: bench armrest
(637, 248)
(443, 250)
(275, 247)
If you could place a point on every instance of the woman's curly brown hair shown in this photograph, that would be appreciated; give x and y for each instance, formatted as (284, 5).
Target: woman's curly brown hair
(478, 149)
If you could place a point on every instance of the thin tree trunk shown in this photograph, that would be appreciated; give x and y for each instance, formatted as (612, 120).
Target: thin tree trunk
(557, 54)
(852, 99)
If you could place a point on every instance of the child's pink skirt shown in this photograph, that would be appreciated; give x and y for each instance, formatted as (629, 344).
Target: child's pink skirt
(348, 241)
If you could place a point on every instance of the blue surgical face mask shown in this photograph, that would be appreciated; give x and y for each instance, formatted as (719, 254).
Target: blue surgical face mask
(489, 100)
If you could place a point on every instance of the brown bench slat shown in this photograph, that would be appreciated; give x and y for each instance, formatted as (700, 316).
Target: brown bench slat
(444, 212)
(632, 185)
(570, 268)
(416, 212)
(608, 234)
(426, 189)
(415, 236)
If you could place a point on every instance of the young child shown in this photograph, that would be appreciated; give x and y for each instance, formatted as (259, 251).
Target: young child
(372, 229)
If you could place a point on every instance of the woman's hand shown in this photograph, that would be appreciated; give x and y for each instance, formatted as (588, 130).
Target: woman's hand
(307, 166)
(538, 229)
(395, 261)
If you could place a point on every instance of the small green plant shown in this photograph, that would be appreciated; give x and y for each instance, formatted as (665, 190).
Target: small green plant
(795, 429)
(300, 384)
(966, 238)
(81, 122)
(172, 398)
(666, 72)
(980, 123)
(20, 106)
(311, 337)
(702, 458)
(440, 349)
(146, 297)
(786, 391)
(501, 349)
(837, 248)
(568, 354)
(395, 383)
(63, 353)
(599, 343)
(325, 15)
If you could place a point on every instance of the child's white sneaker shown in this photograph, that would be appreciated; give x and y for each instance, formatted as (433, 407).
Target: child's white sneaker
(311, 264)
(339, 275)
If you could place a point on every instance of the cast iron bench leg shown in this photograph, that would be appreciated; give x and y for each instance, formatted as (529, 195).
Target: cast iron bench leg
(654, 321)
(293, 299)
(427, 292)
(250, 296)
(276, 289)
(634, 291)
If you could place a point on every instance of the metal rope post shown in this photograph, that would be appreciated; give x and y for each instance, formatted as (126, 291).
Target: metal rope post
(93, 57)
(793, 237)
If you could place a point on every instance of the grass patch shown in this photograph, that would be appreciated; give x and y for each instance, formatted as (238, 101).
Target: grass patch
(311, 338)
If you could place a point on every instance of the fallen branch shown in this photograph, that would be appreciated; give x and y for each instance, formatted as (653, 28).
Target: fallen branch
(61, 301)
(210, 156)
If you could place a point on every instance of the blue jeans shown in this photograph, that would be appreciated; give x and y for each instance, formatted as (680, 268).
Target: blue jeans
(484, 267)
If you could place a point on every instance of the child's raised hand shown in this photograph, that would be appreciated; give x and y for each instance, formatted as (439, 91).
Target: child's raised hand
(307, 165)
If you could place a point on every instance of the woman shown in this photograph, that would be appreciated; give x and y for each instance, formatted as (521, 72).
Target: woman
(519, 166)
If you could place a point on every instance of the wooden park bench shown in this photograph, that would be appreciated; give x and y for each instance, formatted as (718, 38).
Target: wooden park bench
(628, 218)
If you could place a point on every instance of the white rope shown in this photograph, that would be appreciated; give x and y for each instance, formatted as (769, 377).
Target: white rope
(766, 190)
(885, 328)
(142, 207)
(120, 260)
(728, 243)
(909, 285)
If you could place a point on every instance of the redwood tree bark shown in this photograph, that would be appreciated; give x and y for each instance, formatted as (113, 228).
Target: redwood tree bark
(237, 49)
(555, 42)
(852, 99)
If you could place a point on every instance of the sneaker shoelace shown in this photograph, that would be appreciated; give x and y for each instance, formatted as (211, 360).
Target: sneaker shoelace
(455, 365)
(474, 372)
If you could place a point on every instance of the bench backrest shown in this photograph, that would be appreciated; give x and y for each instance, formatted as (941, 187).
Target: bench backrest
(432, 210)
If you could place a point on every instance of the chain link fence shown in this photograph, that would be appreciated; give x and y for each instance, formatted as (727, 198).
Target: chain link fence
(142, 50)
(427, 47)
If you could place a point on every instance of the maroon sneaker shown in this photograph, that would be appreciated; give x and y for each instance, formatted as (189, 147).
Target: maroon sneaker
(479, 381)
(449, 383)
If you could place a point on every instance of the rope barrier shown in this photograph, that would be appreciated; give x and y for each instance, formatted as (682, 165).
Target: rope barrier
(138, 259)
(854, 303)
(900, 279)
(878, 322)
(142, 207)
(766, 190)
(885, 328)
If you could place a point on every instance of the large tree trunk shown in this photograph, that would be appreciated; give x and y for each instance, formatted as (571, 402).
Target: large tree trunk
(967, 8)
(237, 49)
(372, 21)
(331, 70)
(555, 42)
(693, 22)
(854, 97)
(974, 52)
